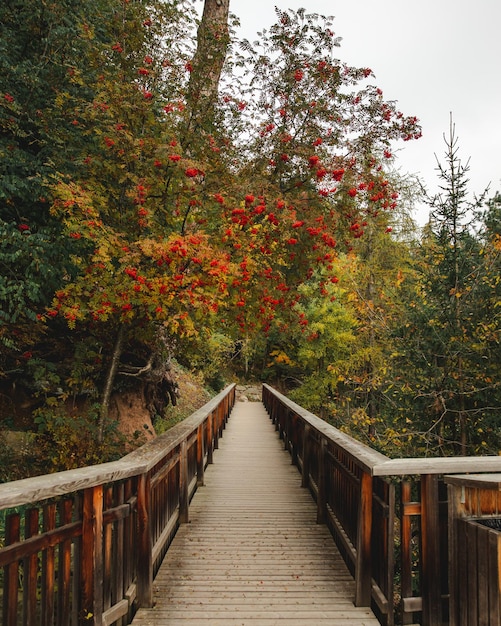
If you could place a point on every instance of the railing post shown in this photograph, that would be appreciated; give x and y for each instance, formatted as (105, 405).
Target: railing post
(321, 506)
(11, 573)
(363, 566)
(183, 484)
(305, 474)
(31, 529)
(215, 429)
(92, 555)
(49, 566)
(455, 507)
(210, 443)
(405, 549)
(286, 430)
(200, 455)
(430, 551)
(145, 543)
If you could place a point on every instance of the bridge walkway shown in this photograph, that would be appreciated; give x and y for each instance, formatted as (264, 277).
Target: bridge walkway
(252, 553)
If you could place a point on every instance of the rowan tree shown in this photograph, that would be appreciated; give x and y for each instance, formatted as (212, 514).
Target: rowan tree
(182, 213)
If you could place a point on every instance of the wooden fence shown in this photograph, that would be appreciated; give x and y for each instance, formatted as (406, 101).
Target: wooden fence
(389, 517)
(83, 546)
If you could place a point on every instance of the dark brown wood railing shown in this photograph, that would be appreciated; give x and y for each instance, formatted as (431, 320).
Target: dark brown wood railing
(389, 517)
(83, 546)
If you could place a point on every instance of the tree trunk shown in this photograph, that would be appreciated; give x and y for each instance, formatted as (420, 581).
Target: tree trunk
(108, 387)
(207, 65)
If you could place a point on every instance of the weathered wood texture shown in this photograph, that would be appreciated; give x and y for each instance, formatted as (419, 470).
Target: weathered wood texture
(253, 552)
(475, 549)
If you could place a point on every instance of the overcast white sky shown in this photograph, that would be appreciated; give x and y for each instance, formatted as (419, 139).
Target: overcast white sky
(434, 57)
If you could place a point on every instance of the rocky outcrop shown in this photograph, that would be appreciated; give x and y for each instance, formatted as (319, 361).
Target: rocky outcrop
(249, 393)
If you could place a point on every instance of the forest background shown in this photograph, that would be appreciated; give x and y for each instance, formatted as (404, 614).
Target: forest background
(172, 197)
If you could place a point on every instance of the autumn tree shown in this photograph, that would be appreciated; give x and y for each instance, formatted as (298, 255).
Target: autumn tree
(132, 199)
(313, 150)
(183, 213)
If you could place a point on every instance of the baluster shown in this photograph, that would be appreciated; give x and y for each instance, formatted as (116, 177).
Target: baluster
(183, 484)
(363, 569)
(145, 558)
(11, 573)
(321, 508)
(405, 549)
(210, 442)
(200, 455)
(30, 570)
(305, 475)
(430, 551)
(64, 565)
(92, 555)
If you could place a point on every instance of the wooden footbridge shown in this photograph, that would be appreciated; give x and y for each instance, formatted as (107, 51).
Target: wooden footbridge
(283, 520)
(253, 552)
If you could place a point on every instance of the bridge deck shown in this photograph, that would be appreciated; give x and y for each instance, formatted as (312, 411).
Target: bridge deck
(252, 553)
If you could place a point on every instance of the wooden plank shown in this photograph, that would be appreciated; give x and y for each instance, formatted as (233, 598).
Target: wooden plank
(200, 456)
(321, 480)
(305, 457)
(114, 613)
(462, 581)
(48, 568)
(107, 551)
(253, 552)
(64, 567)
(430, 552)
(118, 554)
(30, 570)
(494, 577)
(91, 554)
(145, 563)
(406, 549)
(184, 516)
(483, 575)
(439, 465)
(11, 572)
(482, 481)
(390, 555)
(454, 506)
(472, 591)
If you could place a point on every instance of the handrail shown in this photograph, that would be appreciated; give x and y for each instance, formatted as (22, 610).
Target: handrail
(367, 458)
(363, 496)
(88, 542)
(378, 464)
(26, 490)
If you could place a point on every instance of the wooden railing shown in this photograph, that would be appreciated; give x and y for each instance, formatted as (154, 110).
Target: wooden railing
(83, 546)
(389, 517)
